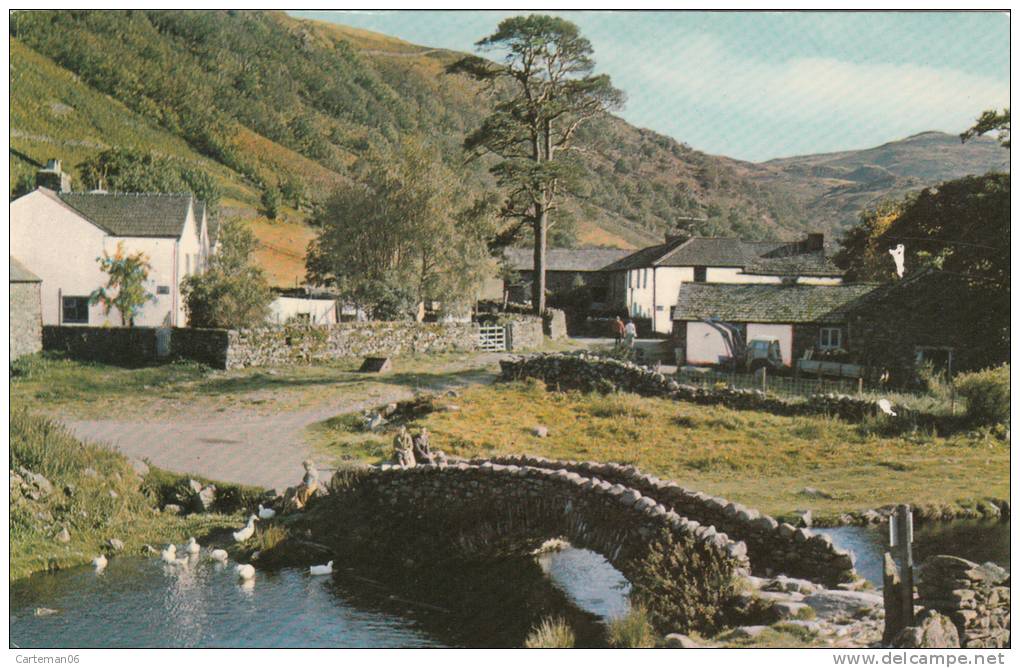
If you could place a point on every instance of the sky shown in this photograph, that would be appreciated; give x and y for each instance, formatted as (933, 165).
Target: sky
(763, 85)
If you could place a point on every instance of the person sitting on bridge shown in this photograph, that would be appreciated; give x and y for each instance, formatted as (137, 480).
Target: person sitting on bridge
(403, 449)
(422, 449)
(297, 497)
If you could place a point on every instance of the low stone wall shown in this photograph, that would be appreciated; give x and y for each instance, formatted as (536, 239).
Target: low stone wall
(290, 344)
(975, 597)
(772, 547)
(128, 346)
(208, 346)
(490, 510)
(580, 371)
(26, 319)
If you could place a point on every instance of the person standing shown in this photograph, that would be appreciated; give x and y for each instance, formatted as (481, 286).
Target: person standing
(630, 333)
(618, 330)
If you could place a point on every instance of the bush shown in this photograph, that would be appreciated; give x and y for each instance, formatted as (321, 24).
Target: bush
(987, 395)
(632, 631)
(552, 633)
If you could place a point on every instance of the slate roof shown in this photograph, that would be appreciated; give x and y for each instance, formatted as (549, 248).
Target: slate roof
(132, 214)
(754, 257)
(756, 302)
(21, 274)
(566, 259)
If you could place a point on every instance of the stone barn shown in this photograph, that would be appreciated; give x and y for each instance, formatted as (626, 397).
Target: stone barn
(25, 311)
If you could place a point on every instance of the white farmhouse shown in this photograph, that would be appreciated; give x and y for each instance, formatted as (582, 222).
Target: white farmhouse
(647, 282)
(59, 235)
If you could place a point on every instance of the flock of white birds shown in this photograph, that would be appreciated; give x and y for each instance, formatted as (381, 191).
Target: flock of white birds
(193, 551)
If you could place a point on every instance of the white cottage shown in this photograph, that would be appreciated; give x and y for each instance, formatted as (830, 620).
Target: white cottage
(647, 282)
(59, 236)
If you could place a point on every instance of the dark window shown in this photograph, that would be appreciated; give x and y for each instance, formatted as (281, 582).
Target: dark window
(75, 310)
(598, 294)
(162, 289)
(700, 274)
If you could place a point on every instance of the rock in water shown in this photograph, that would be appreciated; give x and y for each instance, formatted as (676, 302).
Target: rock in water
(930, 631)
(45, 612)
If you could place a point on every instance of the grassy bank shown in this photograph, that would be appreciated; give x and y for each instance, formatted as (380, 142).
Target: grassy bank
(759, 459)
(94, 493)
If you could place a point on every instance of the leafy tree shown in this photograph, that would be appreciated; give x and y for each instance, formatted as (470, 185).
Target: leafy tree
(271, 202)
(959, 226)
(232, 292)
(404, 236)
(989, 121)
(547, 68)
(128, 170)
(127, 276)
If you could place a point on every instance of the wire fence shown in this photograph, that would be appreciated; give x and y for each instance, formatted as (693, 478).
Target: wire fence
(769, 382)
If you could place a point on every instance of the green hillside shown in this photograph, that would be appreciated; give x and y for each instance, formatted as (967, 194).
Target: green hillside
(260, 100)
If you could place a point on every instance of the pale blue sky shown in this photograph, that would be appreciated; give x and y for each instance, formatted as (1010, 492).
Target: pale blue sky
(761, 85)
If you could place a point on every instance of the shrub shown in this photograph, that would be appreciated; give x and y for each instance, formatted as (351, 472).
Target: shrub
(551, 633)
(987, 395)
(632, 631)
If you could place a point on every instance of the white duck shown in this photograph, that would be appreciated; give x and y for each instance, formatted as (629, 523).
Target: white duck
(245, 571)
(325, 569)
(886, 407)
(99, 563)
(266, 513)
(219, 555)
(193, 547)
(245, 532)
(169, 554)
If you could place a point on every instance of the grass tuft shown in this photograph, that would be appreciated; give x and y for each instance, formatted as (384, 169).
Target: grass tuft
(632, 631)
(551, 633)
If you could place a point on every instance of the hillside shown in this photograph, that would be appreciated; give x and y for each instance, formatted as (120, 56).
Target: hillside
(261, 100)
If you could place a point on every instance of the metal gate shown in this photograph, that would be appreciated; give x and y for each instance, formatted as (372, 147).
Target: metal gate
(163, 335)
(492, 338)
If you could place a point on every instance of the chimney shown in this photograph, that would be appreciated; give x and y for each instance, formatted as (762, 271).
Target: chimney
(815, 241)
(52, 177)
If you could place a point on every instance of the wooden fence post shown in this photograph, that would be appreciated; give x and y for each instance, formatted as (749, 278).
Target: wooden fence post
(898, 574)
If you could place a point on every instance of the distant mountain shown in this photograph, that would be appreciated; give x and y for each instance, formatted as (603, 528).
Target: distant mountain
(261, 99)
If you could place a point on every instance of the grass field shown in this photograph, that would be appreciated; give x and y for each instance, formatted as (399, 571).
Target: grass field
(758, 459)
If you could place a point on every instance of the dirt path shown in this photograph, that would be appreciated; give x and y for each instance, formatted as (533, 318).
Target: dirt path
(248, 446)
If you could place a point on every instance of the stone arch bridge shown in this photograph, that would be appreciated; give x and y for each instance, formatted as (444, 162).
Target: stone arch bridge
(666, 541)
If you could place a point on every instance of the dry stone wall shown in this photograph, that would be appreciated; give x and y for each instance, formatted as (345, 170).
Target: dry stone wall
(974, 597)
(26, 319)
(772, 547)
(587, 372)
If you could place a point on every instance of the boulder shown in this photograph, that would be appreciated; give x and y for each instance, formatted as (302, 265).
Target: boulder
(790, 609)
(748, 631)
(803, 518)
(172, 508)
(140, 467)
(204, 500)
(930, 631)
(680, 641)
(830, 603)
(540, 431)
(116, 544)
(64, 536)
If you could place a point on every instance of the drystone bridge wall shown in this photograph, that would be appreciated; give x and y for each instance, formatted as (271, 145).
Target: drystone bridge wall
(772, 547)
(490, 509)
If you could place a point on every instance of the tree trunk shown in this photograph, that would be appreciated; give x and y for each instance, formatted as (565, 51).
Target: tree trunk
(538, 279)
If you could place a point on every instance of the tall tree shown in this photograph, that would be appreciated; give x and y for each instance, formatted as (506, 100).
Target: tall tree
(546, 90)
(406, 234)
(232, 292)
(125, 288)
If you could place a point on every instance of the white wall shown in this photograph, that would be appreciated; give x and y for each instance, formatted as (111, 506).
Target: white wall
(667, 288)
(705, 344)
(782, 332)
(61, 247)
(319, 311)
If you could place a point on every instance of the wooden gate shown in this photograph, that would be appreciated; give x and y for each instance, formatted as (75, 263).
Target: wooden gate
(492, 338)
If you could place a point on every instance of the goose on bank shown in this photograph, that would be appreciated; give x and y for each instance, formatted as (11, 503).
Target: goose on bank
(247, 531)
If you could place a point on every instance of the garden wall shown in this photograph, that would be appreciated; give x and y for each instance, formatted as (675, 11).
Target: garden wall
(128, 346)
(975, 597)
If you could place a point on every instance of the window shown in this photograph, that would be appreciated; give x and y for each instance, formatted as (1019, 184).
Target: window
(187, 264)
(939, 358)
(644, 273)
(75, 310)
(162, 289)
(830, 338)
(700, 274)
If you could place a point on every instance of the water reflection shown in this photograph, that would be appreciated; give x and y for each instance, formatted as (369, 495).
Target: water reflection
(140, 603)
